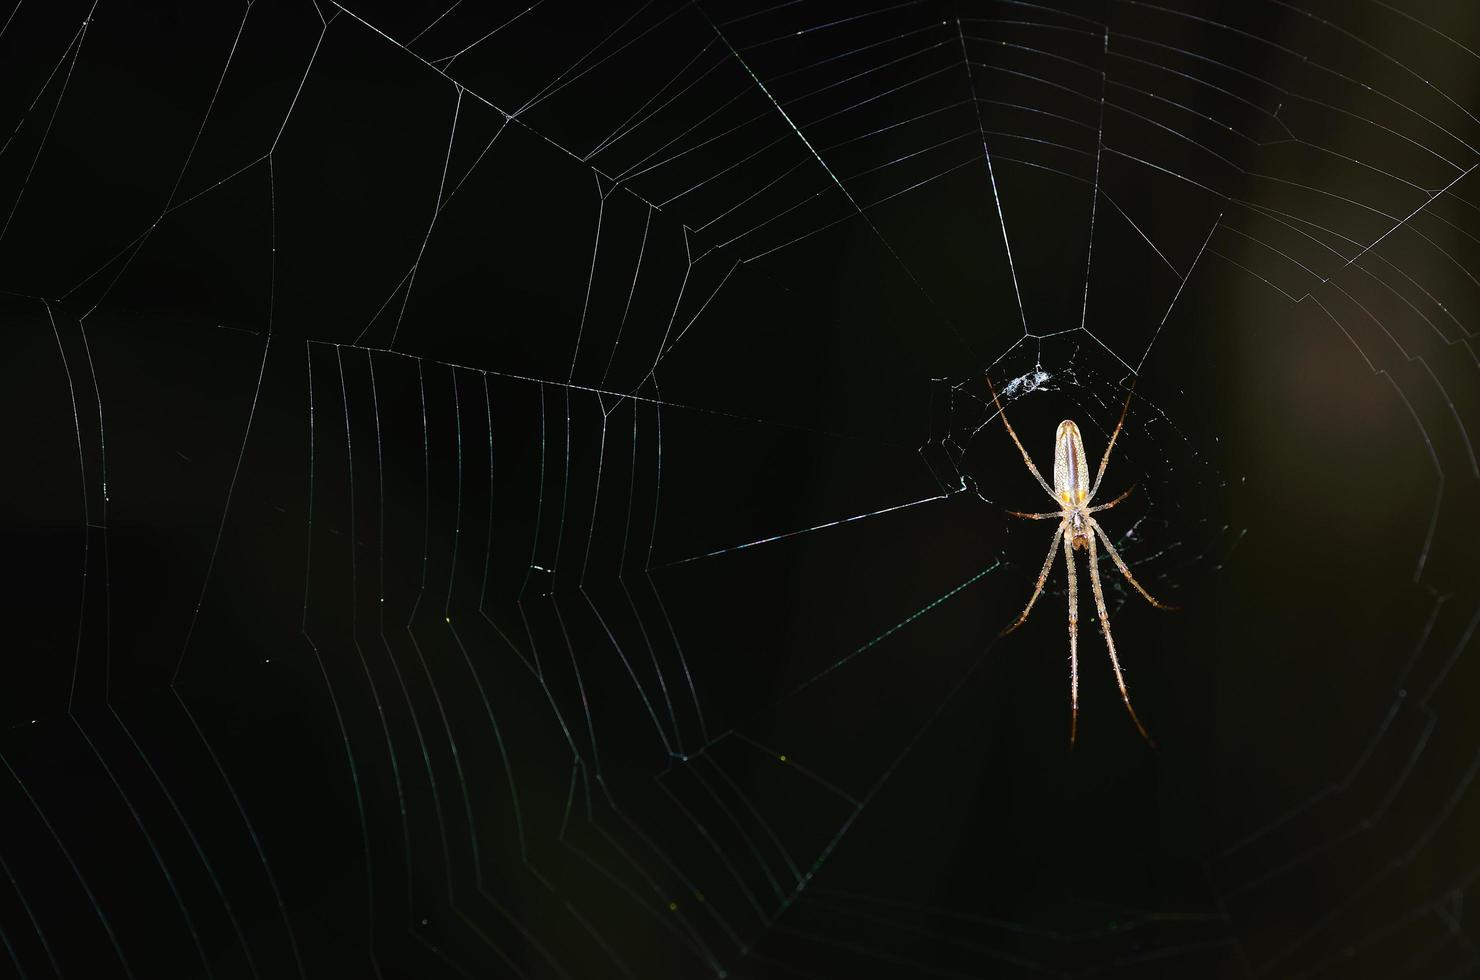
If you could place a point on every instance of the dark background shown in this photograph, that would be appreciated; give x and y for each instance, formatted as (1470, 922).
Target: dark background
(398, 407)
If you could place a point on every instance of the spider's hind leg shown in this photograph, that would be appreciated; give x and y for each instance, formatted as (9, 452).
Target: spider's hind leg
(1026, 458)
(1105, 460)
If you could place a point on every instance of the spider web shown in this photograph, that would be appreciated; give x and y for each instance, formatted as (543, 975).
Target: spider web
(517, 491)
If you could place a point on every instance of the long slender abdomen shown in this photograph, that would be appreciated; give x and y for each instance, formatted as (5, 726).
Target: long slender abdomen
(1070, 471)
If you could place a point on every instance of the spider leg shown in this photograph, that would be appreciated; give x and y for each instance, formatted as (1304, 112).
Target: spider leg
(1037, 517)
(1105, 460)
(1042, 577)
(1073, 642)
(1026, 458)
(1094, 578)
(1120, 564)
(1100, 507)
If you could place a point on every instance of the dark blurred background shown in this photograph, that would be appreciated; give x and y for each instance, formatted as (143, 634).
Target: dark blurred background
(507, 490)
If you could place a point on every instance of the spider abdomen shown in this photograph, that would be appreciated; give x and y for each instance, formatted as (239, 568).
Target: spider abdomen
(1070, 470)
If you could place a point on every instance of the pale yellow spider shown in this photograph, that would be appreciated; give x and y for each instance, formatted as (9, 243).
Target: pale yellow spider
(1070, 473)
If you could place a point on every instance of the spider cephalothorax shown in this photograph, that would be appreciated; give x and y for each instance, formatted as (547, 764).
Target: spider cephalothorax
(1073, 492)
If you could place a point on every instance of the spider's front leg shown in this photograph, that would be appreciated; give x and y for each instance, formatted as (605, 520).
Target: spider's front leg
(1094, 578)
(1042, 577)
(1073, 640)
(1120, 564)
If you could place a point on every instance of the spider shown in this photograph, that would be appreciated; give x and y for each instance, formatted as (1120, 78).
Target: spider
(1078, 528)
